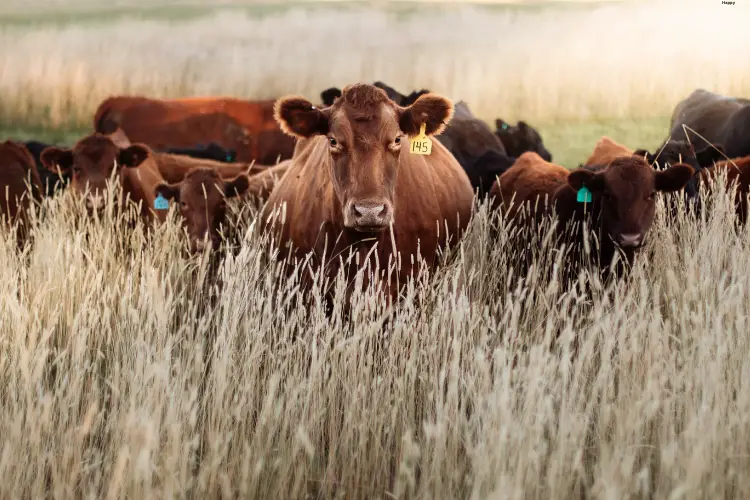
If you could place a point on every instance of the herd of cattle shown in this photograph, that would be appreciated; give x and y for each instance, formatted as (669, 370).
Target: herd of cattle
(344, 175)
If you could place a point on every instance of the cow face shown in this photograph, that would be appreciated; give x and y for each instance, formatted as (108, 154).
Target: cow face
(366, 136)
(201, 196)
(626, 191)
(91, 163)
(520, 139)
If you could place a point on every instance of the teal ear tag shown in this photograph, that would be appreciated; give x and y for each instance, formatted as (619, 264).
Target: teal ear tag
(505, 126)
(584, 195)
(161, 203)
(229, 158)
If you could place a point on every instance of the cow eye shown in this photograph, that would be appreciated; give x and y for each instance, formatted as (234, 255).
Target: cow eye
(332, 141)
(397, 140)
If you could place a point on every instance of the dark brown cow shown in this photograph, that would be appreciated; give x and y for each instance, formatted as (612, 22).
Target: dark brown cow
(245, 126)
(201, 196)
(353, 184)
(520, 138)
(716, 118)
(20, 184)
(622, 197)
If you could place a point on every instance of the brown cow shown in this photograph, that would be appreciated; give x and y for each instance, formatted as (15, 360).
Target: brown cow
(18, 173)
(607, 150)
(95, 158)
(246, 126)
(201, 197)
(353, 184)
(622, 197)
(736, 171)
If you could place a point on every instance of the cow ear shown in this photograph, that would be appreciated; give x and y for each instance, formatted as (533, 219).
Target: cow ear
(168, 191)
(501, 125)
(640, 152)
(298, 118)
(674, 178)
(237, 186)
(431, 109)
(57, 160)
(330, 95)
(710, 154)
(133, 156)
(582, 177)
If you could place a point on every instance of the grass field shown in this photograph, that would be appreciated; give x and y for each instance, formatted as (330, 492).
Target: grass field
(127, 373)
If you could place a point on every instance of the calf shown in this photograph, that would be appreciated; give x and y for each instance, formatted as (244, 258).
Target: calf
(520, 138)
(619, 198)
(201, 196)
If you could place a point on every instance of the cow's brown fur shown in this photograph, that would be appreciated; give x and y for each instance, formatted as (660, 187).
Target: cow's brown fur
(18, 173)
(531, 178)
(353, 180)
(201, 196)
(247, 127)
(737, 173)
(262, 184)
(607, 150)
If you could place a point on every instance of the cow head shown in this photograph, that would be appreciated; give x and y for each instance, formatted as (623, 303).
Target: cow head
(366, 136)
(677, 151)
(520, 138)
(91, 163)
(626, 191)
(201, 196)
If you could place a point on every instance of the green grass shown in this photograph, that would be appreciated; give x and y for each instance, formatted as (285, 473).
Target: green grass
(569, 143)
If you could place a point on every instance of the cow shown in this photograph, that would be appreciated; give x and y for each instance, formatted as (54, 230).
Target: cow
(144, 175)
(246, 126)
(470, 140)
(354, 185)
(671, 152)
(20, 185)
(212, 151)
(201, 196)
(714, 118)
(520, 138)
(619, 198)
(737, 175)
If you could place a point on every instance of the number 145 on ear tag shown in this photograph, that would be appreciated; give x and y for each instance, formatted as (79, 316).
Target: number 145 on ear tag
(421, 144)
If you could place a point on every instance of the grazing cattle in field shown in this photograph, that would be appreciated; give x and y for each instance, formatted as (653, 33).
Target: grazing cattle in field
(212, 151)
(737, 172)
(520, 138)
(201, 197)
(146, 175)
(716, 118)
(20, 184)
(354, 185)
(621, 203)
(247, 127)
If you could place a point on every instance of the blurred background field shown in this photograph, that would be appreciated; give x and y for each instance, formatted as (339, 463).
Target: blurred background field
(574, 69)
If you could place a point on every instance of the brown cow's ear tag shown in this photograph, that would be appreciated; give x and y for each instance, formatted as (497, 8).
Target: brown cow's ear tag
(421, 144)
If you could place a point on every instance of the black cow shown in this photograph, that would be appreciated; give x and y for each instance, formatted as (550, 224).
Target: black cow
(520, 138)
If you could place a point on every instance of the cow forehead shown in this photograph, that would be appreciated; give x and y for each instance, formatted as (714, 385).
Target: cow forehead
(629, 179)
(95, 149)
(369, 120)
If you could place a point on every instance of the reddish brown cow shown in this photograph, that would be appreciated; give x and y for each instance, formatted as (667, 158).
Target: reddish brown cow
(201, 197)
(737, 174)
(18, 173)
(246, 126)
(354, 185)
(622, 197)
(95, 158)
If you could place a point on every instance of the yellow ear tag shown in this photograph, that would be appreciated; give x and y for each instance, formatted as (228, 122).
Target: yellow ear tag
(421, 144)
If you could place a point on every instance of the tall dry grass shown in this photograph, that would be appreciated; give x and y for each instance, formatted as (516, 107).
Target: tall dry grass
(126, 373)
(574, 63)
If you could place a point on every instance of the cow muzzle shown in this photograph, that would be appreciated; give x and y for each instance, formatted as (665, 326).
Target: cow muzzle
(630, 240)
(368, 216)
(95, 202)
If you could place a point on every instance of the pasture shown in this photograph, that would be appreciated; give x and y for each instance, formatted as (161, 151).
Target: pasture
(132, 370)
